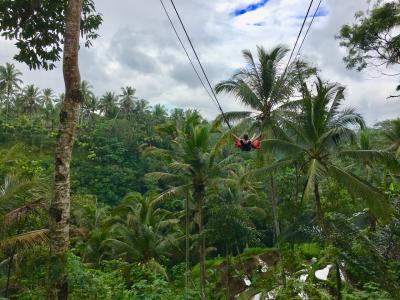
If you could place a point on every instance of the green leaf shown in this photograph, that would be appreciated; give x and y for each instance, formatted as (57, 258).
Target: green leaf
(375, 199)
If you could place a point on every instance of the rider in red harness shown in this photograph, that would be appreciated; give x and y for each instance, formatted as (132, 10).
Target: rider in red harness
(246, 144)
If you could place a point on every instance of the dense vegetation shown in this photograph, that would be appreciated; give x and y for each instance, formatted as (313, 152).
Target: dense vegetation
(164, 207)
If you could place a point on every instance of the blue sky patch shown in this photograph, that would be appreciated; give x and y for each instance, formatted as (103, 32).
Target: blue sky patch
(322, 12)
(249, 8)
(259, 24)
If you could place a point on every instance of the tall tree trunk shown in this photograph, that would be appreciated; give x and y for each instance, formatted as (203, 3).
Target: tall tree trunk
(228, 273)
(202, 258)
(338, 281)
(320, 212)
(59, 211)
(8, 105)
(10, 262)
(277, 230)
(325, 230)
(187, 246)
(13, 253)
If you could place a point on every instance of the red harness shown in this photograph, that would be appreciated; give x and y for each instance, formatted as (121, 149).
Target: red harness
(255, 144)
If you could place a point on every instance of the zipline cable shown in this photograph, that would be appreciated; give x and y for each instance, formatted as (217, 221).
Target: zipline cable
(201, 65)
(283, 76)
(309, 27)
(298, 37)
(184, 48)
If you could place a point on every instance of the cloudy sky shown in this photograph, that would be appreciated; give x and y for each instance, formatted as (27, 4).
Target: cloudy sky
(137, 47)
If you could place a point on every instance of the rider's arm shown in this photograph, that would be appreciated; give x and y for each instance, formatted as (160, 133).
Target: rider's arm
(236, 137)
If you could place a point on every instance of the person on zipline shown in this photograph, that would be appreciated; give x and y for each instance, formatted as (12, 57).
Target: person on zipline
(246, 144)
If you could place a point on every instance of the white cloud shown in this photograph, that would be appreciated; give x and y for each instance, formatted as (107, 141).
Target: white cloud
(137, 47)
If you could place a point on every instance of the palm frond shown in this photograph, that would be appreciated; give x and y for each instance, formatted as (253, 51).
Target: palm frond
(335, 136)
(248, 56)
(231, 116)
(270, 168)
(162, 153)
(284, 146)
(178, 167)
(375, 199)
(25, 240)
(242, 91)
(13, 216)
(293, 105)
(378, 156)
(11, 154)
(315, 170)
(349, 117)
(219, 145)
(174, 191)
(337, 101)
(15, 191)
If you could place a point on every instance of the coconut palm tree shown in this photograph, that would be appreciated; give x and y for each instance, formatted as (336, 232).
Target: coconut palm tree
(18, 199)
(370, 157)
(29, 99)
(48, 108)
(262, 87)
(139, 231)
(142, 106)
(393, 137)
(9, 83)
(47, 98)
(108, 104)
(89, 103)
(127, 101)
(315, 136)
(193, 169)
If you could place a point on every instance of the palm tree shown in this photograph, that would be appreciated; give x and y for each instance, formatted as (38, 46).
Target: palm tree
(159, 112)
(108, 104)
(393, 137)
(89, 104)
(9, 82)
(30, 99)
(47, 103)
(369, 157)
(127, 101)
(59, 99)
(18, 199)
(193, 169)
(142, 106)
(315, 136)
(138, 231)
(263, 87)
(11, 154)
(47, 97)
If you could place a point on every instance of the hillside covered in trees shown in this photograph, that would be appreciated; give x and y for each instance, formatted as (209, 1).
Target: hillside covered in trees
(164, 206)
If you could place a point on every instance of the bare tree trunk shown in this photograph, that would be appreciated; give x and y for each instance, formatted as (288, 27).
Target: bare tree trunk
(10, 262)
(228, 262)
(59, 211)
(202, 258)
(277, 230)
(187, 246)
(320, 212)
(8, 105)
(338, 281)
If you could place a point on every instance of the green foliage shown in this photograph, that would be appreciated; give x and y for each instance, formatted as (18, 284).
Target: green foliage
(96, 284)
(370, 291)
(21, 20)
(134, 166)
(373, 38)
(309, 250)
